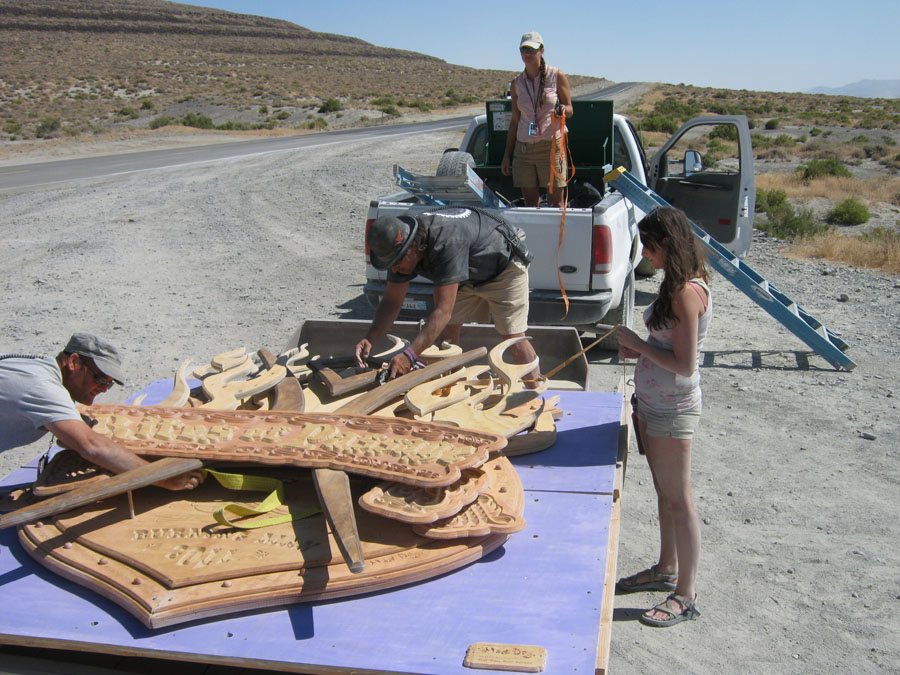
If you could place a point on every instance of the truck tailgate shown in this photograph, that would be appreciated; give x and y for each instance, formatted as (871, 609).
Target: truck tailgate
(573, 259)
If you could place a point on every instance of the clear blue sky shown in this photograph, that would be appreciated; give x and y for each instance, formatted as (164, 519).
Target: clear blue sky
(764, 45)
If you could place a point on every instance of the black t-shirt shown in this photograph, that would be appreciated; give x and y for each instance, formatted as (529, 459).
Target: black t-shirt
(463, 246)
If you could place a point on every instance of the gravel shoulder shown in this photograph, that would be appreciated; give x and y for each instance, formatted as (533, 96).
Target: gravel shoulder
(798, 505)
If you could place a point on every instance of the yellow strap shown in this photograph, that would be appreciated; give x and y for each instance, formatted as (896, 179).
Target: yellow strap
(275, 488)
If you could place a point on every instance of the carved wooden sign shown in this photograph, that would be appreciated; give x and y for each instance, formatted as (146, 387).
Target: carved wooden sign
(174, 563)
(412, 504)
(406, 451)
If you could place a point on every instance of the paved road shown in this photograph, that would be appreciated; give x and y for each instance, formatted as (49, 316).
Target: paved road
(26, 176)
(29, 176)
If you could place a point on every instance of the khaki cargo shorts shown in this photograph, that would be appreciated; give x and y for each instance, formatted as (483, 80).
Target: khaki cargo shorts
(531, 165)
(503, 299)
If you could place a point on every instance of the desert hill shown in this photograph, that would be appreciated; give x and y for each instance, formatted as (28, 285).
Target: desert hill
(93, 63)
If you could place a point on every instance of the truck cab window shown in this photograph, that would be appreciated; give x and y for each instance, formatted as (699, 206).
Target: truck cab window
(707, 148)
(620, 151)
(477, 145)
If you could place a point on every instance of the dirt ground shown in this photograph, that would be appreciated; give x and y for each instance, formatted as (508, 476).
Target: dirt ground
(795, 465)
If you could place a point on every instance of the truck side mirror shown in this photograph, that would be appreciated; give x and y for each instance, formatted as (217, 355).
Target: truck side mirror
(693, 162)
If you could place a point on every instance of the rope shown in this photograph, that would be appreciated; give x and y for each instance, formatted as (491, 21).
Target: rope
(565, 155)
(275, 487)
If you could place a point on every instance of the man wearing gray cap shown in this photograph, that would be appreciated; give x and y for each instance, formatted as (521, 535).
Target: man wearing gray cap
(38, 394)
(478, 266)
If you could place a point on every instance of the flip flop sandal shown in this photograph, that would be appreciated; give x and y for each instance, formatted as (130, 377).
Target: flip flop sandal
(655, 582)
(689, 612)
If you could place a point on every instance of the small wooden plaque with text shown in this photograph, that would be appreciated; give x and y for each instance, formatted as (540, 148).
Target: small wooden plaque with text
(496, 656)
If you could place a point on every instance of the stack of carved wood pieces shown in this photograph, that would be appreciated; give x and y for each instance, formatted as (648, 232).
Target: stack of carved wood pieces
(489, 398)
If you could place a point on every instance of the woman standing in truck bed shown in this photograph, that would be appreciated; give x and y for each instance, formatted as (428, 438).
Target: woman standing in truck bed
(540, 94)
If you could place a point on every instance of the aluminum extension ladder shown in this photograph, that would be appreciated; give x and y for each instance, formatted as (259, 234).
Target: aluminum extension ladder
(787, 312)
(467, 188)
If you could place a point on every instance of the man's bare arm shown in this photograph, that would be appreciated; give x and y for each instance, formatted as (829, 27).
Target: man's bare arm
(106, 453)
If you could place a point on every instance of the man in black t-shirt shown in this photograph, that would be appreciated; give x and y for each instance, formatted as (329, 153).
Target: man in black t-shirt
(478, 270)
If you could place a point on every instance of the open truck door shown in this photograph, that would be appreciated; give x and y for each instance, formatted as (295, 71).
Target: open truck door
(706, 170)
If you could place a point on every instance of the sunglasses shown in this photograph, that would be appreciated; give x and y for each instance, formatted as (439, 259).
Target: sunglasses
(529, 50)
(99, 377)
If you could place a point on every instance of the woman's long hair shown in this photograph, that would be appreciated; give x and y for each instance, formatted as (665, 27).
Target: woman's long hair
(667, 229)
(543, 76)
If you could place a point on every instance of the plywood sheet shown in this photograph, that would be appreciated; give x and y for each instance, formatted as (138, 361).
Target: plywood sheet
(521, 598)
(586, 445)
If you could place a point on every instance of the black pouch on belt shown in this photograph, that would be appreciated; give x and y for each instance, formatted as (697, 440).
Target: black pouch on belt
(634, 422)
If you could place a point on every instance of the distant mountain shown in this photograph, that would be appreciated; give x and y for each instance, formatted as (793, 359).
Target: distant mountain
(863, 88)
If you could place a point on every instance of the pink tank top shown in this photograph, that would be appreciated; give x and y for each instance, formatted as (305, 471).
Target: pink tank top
(528, 98)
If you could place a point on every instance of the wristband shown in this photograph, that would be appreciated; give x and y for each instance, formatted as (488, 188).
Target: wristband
(411, 355)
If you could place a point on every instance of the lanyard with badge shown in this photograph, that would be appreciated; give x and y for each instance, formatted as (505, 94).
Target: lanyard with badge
(533, 127)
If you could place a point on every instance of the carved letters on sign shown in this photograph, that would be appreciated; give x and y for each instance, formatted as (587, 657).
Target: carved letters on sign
(407, 451)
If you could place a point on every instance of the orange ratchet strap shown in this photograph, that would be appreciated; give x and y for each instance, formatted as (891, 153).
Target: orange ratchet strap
(560, 131)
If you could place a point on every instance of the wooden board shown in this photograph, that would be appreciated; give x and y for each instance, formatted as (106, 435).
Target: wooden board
(173, 563)
(418, 453)
(410, 504)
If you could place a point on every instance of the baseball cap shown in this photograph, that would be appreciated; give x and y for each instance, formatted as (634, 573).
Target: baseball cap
(388, 239)
(532, 39)
(106, 357)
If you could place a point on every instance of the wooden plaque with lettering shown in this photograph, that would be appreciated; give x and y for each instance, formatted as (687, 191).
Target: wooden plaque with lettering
(174, 563)
(397, 449)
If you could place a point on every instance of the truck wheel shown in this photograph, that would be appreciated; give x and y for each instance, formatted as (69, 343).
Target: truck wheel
(623, 314)
(454, 163)
(644, 268)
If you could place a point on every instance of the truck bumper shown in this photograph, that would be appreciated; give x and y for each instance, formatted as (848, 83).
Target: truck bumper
(545, 308)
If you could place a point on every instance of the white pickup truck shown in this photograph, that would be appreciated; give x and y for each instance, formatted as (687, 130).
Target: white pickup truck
(600, 248)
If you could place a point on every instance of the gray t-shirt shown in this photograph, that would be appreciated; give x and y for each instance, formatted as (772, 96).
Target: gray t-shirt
(462, 247)
(32, 395)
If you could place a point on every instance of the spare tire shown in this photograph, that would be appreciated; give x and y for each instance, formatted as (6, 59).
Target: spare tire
(454, 163)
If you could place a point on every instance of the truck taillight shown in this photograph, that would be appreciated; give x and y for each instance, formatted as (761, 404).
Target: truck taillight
(368, 225)
(601, 250)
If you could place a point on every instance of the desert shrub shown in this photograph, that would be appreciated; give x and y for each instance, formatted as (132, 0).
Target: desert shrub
(816, 168)
(391, 110)
(383, 101)
(879, 248)
(784, 141)
(770, 199)
(330, 105)
(197, 121)
(47, 127)
(782, 220)
(263, 110)
(772, 124)
(659, 123)
(861, 138)
(882, 234)
(727, 131)
(161, 121)
(283, 115)
(130, 113)
(815, 131)
(849, 212)
(12, 127)
(677, 109)
(424, 106)
(318, 123)
(147, 104)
